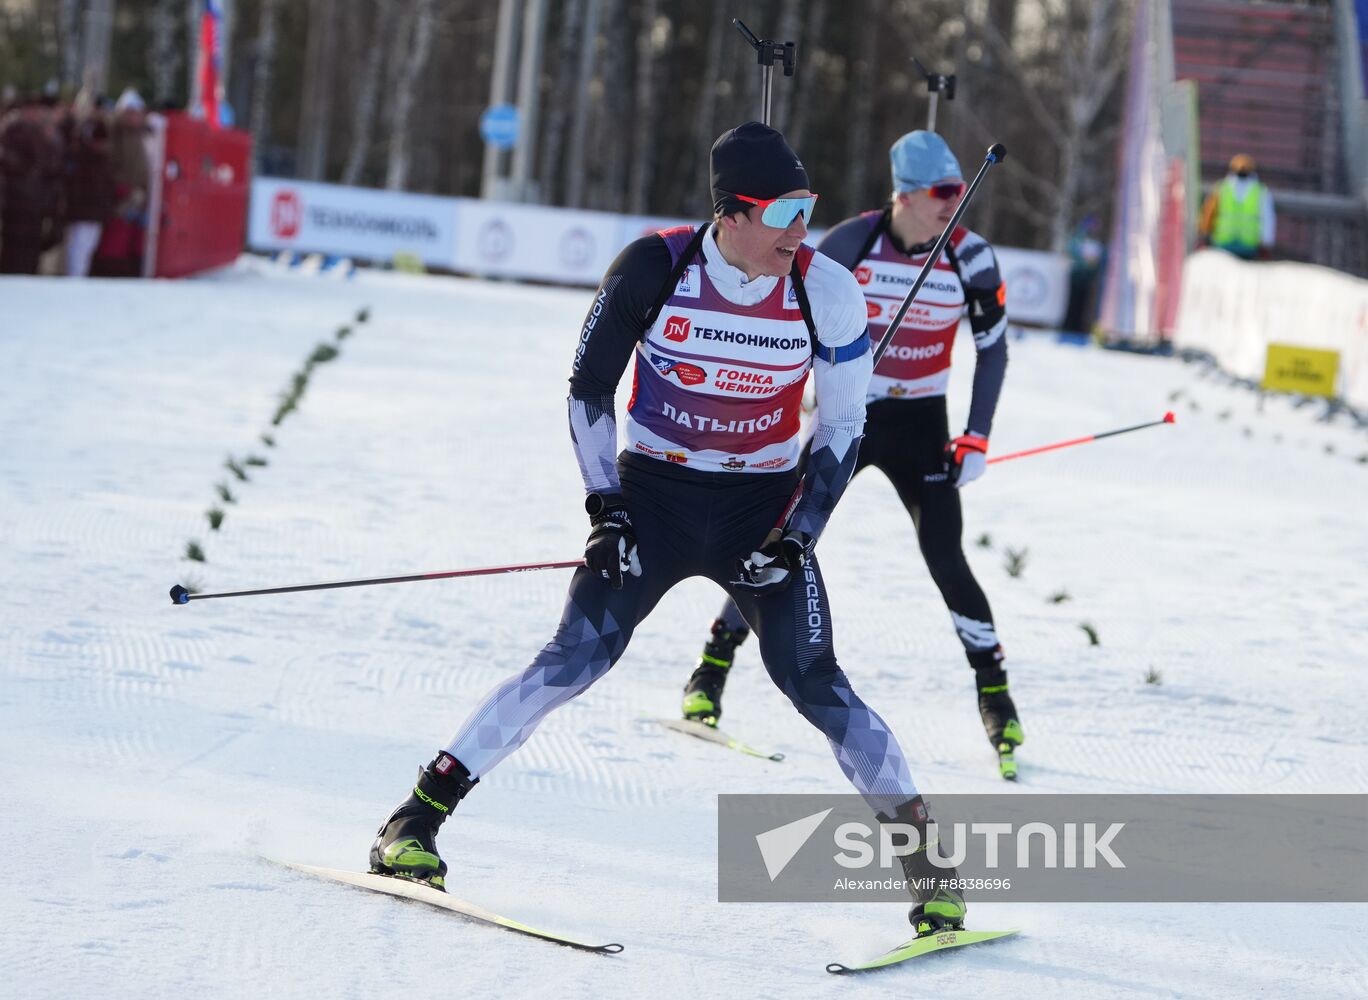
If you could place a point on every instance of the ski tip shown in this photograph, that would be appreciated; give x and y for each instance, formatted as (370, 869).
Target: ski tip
(610, 949)
(776, 757)
(836, 968)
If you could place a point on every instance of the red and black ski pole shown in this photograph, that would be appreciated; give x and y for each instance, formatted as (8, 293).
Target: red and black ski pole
(179, 595)
(1168, 419)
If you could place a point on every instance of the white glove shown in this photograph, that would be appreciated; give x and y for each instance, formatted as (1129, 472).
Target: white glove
(966, 458)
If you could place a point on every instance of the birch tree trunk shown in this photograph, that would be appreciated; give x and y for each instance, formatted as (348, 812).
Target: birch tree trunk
(862, 108)
(576, 179)
(263, 78)
(1089, 78)
(164, 54)
(367, 95)
(986, 88)
(691, 173)
(613, 110)
(316, 106)
(564, 93)
(400, 154)
(643, 126)
(805, 81)
(69, 37)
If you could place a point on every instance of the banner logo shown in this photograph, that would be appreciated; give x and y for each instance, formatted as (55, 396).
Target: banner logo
(286, 214)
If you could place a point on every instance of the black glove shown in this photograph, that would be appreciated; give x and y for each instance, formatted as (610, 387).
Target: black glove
(611, 549)
(773, 566)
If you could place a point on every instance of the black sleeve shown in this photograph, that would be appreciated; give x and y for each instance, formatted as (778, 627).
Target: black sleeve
(616, 321)
(843, 241)
(986, 298)
(615, 325)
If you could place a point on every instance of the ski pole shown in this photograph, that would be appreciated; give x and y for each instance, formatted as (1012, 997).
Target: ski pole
(1168, 419)
(997, 152)
(179, 595)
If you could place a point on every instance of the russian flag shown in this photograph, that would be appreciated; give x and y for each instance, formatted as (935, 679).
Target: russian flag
(210, 62)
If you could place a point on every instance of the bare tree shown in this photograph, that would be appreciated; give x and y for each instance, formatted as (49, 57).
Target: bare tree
(862, 102)
(563, 94)
(368, 91)
(415, 61)
(984, 84)
(1063, 82)
(575, 172)
(705, 126)
(316, 105)
(805, 80)
(69, 37)
(644, 120)
(612, 109)
(164, 54)
(263, 76)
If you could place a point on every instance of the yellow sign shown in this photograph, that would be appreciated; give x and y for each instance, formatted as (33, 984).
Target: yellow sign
(1300, 369)
(408, 263)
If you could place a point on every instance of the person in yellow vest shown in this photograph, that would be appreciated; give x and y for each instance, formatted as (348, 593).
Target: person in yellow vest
(1238, 215)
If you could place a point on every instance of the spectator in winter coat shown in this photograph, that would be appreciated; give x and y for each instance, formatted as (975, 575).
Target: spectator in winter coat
(89, 190)
(30, 162)
(121, 243)
(1238, 215)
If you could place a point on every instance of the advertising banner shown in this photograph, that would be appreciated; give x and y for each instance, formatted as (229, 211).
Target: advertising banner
(1037, 285)
(535, 242)
(499, 239)
(349, 221)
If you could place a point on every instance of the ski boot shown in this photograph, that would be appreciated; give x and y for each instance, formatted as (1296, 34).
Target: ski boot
(996, 708)
(703, 693)
(406, 843)
(938, 904)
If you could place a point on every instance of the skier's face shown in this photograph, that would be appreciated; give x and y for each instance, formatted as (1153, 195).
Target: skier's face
(758, 249)
(929, 210)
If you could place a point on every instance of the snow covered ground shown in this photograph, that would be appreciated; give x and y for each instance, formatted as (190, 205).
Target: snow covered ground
(151, 755)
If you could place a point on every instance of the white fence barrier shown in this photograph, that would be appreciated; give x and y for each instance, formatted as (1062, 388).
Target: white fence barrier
(501, 239)
(1233, 309)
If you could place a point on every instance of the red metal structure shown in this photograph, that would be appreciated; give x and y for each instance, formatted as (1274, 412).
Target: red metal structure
(205, 183)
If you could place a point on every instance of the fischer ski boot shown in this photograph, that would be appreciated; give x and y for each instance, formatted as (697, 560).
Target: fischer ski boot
(995, 706)
(938, 902)
(703, 693)
(406, 843)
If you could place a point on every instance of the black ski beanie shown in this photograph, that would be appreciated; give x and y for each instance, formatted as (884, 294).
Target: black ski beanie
(754, 160)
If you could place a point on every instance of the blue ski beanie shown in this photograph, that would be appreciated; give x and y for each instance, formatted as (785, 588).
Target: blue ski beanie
(919, 159)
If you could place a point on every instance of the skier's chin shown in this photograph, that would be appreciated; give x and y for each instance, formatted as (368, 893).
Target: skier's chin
(781, 261)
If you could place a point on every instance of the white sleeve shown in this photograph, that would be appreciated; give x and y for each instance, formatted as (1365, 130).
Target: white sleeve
(841, 371)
